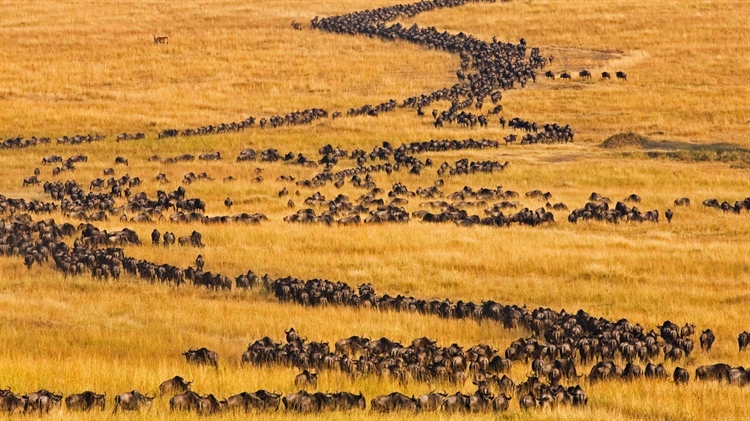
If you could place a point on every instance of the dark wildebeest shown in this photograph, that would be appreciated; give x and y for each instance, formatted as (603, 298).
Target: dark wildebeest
(132, 401)
(456, 403)
(85, 401)
(681, 375)
(242, 401)
(549, 75)
(621, 75)
(606, 75)
(565, 75)
(527, 402)
(501, 403)
(739, 376)
(228, 203)
(345, 401)
(10, 403)
(155, 236)
(306, 378)
(292, 402)
(393, 403)
(187, 401)
(655, 371)
(42, 401)
(669, 214)
(121, 160)
(632, 372)
(633, 198)
(291, 335)
(305, 402)
(584, 74)
(707, 339)
(210, 405)
(202, 356)
(683, 201)
(199, 263)
(169, 239)
(716, 372)
(30, 181)
(431, 402)
(711, 203)
(480, 402)
(743, 340)
(174, 385)
(354, 345)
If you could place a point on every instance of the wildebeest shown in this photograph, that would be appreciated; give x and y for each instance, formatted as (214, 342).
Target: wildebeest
(291, 335)
(527, 402)
(169, 239)
(655, 371)
(743, 340)
(306, 378)
(683, 201)
(633, 198)
(622, 75)
(132, 401)
(42, 401)
(210, 405)
(121, 160)
(345, 401)
(202, 356)
(681, 375)
(669, 214)
(606, 75)
(187, 401)
(707, 339)
(11, 403)
(174, 385)
(86, 401)
(716, 372)
(228, 203)
(565, 75)
(260, 400)
(194, 240)
(457, 402)
(393, 402)
(430, 402)
(584, 74)
(32, 180)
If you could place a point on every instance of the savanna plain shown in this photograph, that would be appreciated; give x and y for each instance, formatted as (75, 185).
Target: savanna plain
(75, 67)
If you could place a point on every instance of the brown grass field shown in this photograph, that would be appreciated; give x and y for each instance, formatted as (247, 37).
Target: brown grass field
(71, 67)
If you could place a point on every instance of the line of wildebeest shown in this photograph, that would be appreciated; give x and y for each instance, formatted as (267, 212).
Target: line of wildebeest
(485, 68)
(341, 210)
(558, 337)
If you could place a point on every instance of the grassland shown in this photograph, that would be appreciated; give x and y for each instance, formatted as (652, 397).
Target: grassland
(72, 67)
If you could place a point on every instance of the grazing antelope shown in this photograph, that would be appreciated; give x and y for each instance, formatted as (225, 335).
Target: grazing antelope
(161, 40)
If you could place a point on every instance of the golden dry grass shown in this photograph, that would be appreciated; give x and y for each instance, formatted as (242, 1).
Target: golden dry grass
(70, 67)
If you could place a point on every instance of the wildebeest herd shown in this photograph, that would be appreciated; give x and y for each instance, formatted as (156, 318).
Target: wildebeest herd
(556, 346)
(485, 69)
